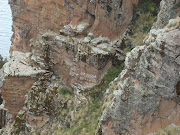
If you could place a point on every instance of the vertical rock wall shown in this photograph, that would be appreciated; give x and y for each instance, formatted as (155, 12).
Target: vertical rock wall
(80, 64)
(19, 77)
(145, 96)
(105, 18)
(32, 18)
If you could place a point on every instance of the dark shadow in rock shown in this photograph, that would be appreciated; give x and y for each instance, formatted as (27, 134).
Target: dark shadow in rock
(178, 88)
(0, 99)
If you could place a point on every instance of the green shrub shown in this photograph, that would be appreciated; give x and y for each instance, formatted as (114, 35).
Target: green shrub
(2, 61)
(113, 72)
(146, 7)
(65, 91)
(126, 50)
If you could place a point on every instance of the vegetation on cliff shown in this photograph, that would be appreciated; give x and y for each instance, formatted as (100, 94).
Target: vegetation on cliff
(144, 16)
(170, 130)
(66, 116)
(2, 61)
(54, 107)
(86, 117)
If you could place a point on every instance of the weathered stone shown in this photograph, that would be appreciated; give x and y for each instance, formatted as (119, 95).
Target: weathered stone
(86, 39)
(14, 91)
(18, 66)
(1, 78)
(146, 94)
(103, 18)
(170, 129)
(99, 40)
(169, 9)
(35, 121)
(82, 27)
(83, 64)
(20, 73)
(143, 99)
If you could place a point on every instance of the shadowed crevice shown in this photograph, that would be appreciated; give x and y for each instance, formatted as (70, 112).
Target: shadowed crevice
(178, 88)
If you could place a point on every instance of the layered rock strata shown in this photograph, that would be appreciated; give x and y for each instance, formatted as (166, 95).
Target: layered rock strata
(103, 18)
(145, 96)
(19, 77)
(81, 63)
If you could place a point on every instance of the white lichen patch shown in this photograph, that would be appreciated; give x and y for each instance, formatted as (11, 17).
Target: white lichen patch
(18, 66)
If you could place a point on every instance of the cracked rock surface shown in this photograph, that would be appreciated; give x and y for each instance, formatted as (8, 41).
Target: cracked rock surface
(144, 98)
(103, 18)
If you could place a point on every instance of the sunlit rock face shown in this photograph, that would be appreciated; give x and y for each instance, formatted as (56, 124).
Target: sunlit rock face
(69, 44)
(169, 10)
(14, 91)
(81, 63)
(145, 96)
(18, 78)
(103, 18)
(1, 78)
(70, 39)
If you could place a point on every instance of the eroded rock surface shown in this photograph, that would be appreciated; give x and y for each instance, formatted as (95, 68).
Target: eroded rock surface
(59, 45)
(19, 76)
(145, 96)
(1, 78)
(169, 10)
(79, 63)
(106, 18)
(14, 91)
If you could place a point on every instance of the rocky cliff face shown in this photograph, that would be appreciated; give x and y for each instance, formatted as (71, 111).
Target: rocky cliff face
(53, 83)
(1, 78)
(52, 36)
(145, 96)
(103, 18)
(18, 79)
(169, 10)
(80, 63)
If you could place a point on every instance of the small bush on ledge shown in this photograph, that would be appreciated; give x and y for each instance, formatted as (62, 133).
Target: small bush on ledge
(65, 91)
(2, 61)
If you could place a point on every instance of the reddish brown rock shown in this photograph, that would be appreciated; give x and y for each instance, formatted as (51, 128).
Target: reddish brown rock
(79, 64)
(14, 91)
(31, 17)
(19, 77)
(105, 18)
(168, 112)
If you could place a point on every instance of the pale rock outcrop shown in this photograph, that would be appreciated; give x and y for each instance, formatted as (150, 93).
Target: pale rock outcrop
(145, 96)
(19, 76)
(1, 78)
(169, 9)
(19, 65)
